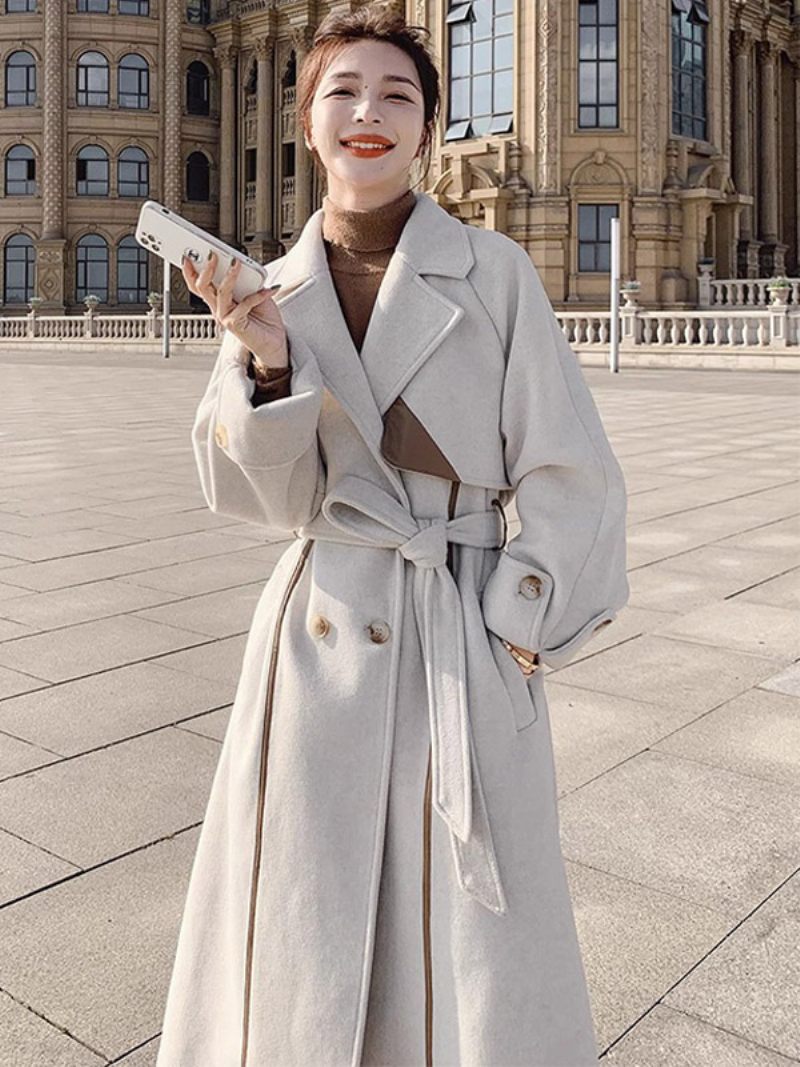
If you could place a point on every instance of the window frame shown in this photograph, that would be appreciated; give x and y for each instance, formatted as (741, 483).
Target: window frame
(597, 242)
(597, 62)
(497, 120)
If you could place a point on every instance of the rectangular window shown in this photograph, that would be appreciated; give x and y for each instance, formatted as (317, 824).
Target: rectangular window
(594, 237)
(598, 70)
(689, 43)
(481, 82)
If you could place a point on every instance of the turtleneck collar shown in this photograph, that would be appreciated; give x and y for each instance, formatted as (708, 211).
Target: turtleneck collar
(367, 231)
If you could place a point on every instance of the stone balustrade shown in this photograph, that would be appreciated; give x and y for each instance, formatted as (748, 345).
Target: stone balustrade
(749, 292)
(765, 337)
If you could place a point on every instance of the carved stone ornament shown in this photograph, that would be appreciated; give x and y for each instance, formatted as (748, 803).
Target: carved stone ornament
(547, 112)
(652, 44)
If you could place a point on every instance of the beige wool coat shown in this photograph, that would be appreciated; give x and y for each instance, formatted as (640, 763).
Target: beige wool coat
(379, 877)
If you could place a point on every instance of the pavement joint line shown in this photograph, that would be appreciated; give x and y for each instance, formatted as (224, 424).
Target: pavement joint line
(706, 506)
(682, 756)
(107, 670)
(117, 615)
(55, 1025)
(693, 639)
(706, 544)
(722, 940)
(136, 1048)
(61, 758)
(83, 871)
(755, 585)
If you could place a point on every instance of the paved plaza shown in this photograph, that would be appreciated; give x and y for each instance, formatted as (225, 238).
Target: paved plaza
(124, 606)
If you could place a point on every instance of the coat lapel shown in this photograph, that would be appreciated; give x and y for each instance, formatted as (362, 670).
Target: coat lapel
(409, 320)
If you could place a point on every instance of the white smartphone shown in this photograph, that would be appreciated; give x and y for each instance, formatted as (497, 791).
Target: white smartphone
(171, 236)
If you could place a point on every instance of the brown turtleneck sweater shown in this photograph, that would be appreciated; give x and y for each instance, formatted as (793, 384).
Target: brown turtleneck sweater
(358, 246)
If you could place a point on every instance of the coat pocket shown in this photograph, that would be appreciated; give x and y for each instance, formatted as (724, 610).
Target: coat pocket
(521, 691)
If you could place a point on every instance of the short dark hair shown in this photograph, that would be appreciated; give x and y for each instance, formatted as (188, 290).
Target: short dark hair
(370, 22)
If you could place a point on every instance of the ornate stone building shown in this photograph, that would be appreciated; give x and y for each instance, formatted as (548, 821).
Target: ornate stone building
(680, 117)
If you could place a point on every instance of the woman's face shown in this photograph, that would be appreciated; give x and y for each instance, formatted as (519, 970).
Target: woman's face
(381, 98)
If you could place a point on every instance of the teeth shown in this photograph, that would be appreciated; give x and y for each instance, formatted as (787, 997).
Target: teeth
(363, 144)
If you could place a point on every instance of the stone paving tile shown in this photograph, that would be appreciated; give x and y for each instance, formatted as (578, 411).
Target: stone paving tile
(220, 614)
(219, 662)
(750, 985)
(25, 868)
(666, 671)
(635, 943)
(698, 832)
(170, 524)
(79, 603)
(119, 922)
(781, 592)
(760, 629)
(17, 756)
(10, 630)
(203, 576)
(12, 683)
(91, 712)
(114, 562)
(693, 494)
(673, 1038)
(618, 728)
(213, 724)
(774, 536)
(756, 733)
(93, 646)
(99, 805)
(28, 1039)
(787, 681)
(58, 545)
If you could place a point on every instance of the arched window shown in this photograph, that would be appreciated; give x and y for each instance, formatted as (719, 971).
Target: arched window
(197, 183)
(19, 264)
(689, 46)
(20, 171)
(481, 43)
(133, 89)
(597, 64)
(20, 80)
(132, 272)
(198, 12)
(92, 267)
(100, 7)
(92, 171)
(197, 82)
(133, 172)
(133, 7)
(92, 80)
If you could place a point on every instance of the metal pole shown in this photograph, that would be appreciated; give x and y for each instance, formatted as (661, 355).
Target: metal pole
(613, 352)
(165, 326)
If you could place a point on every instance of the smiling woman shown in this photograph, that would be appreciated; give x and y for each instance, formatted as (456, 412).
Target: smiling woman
(379, 877)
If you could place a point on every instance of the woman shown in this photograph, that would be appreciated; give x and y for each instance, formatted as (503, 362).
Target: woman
(379, 879)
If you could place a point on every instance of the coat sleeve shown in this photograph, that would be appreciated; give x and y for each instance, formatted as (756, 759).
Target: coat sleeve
(261, 464)
(564, 575)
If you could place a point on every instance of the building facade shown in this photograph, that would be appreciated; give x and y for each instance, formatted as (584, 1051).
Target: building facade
(679, 117)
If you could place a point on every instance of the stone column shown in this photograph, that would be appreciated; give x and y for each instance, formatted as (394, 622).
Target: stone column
(172, 163)
(303, 161)
(226, 60)
(747, 265)
(50, 258)
(547, 111)
(768, 155)
(265, 105)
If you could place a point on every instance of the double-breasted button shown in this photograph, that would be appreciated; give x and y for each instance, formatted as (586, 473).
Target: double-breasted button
(530, 586)
(379, 631)
(318, 626)
(221, 435)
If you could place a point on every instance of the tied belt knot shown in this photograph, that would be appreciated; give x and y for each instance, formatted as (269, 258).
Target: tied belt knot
(370, 516)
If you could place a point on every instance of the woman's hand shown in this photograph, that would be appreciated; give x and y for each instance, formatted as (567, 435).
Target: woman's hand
(526, 660)
(255, 320)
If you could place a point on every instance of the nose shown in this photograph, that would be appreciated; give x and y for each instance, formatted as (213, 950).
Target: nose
(366, 111)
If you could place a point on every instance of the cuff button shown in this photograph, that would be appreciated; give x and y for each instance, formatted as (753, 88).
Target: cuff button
(221, 435)
(318, 626)
(531, 586)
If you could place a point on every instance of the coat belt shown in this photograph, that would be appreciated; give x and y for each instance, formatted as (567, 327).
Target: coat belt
(374, 518)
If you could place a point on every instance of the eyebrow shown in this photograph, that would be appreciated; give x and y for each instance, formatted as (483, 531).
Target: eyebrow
(385, 78)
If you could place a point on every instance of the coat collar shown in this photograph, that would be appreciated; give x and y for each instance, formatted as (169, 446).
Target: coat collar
(409, 320)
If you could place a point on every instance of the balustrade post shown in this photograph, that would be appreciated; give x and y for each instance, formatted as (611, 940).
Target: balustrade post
(778, 325)
(705, 296)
